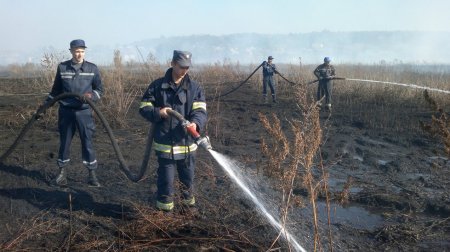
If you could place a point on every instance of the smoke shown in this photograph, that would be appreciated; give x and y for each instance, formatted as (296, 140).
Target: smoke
(250, 48)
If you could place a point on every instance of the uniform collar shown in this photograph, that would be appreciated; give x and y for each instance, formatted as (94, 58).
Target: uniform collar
(168, 82)
(82, 64)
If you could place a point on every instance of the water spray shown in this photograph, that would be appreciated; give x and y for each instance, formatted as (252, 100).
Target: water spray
(402, 84)
(233, 169)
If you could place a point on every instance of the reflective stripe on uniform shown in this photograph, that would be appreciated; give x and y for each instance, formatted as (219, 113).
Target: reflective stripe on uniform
(146, 104)
(176, 149)
(199, 105)
(67, 75)
(89, 163)
(97, 93)
(87, 74)
(164, 206)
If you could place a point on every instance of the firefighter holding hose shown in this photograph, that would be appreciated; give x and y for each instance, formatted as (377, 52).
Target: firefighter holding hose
(269, 69)
(82, 77)
(325, 73)
(175, 148)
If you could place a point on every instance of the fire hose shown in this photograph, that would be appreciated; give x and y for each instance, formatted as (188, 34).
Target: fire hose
(244, 81)
(333, 78)
(238, 86)
(201, 141)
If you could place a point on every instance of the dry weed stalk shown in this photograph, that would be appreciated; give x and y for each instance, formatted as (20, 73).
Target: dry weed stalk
(287, 160)
(440, 124)
(49, 64)
(118, 99)
(277, 149)
(344, 194)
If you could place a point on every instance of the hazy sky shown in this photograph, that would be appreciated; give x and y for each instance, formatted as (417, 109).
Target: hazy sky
(28, 24)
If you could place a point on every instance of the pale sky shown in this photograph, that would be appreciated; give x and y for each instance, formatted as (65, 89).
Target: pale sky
(28, 24)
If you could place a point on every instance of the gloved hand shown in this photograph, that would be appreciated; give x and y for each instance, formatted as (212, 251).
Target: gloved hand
(40, 115)
(264, 62)
(41, 107)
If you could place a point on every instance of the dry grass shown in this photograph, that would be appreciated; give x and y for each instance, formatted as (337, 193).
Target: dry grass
(289, 161)
(440, 124)
(36, 227)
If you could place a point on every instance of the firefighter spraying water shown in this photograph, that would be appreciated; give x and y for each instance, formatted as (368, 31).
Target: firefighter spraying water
(188, 126)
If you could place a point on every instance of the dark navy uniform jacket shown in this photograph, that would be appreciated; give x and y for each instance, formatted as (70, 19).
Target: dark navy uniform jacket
(69, 80)
(268, 70)
(325, 71)
(188, 99)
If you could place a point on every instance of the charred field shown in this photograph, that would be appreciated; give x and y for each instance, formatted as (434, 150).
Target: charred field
(383, 184)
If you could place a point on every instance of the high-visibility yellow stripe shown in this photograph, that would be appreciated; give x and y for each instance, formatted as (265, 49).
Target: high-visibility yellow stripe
(176, 149)
(146, 104)
(189, 202)
(164, 206)
(199, 105)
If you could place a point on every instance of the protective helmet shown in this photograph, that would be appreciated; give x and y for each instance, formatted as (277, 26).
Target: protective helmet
(327, 59)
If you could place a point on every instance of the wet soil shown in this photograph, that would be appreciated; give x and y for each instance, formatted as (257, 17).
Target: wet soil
(397, 182)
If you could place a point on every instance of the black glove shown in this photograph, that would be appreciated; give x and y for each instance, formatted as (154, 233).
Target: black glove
(40, 115)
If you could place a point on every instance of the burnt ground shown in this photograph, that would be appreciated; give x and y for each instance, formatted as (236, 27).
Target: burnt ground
(397, 185)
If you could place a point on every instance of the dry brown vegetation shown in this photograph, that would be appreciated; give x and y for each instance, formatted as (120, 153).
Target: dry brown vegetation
(440, 124)
(290, 155)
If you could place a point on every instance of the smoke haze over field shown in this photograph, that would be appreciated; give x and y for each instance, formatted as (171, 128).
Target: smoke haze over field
(343, 47)
(244, 31)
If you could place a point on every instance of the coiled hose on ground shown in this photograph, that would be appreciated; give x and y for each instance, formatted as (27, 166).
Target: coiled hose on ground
(123, 165)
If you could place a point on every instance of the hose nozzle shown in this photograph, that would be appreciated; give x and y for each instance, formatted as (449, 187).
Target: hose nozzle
(200, 141)
(204, 143)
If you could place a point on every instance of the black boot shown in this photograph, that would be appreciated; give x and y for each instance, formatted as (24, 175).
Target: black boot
(93, 181)
(61, 179)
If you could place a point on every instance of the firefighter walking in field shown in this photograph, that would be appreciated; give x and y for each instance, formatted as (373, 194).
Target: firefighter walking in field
(268, 71)
(81, 77)
(325, 73)
(175, 148)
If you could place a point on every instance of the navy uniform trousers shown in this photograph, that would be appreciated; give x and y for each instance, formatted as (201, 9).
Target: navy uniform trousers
(324, 89)
(166, 175)
(269, 81)
(69, 121)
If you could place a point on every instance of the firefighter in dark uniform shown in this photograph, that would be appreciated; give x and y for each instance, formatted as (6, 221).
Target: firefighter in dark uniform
(174, 148)
(325, 73)
(81, 77)
(268, 70)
